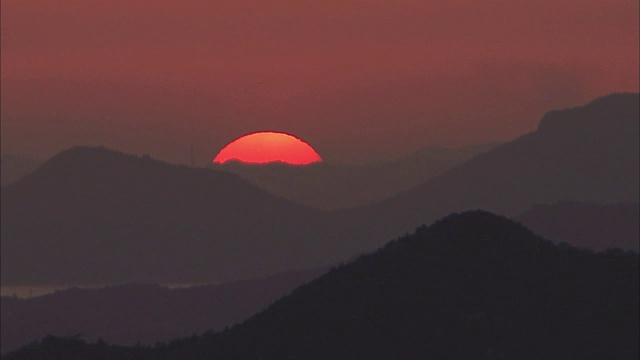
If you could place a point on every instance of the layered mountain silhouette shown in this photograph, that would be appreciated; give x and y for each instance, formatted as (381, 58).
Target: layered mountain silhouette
(470, 286)
(589, 153)
(96, 216)
(91, 215)
(594, 226)
(333, 186)
(141, 313)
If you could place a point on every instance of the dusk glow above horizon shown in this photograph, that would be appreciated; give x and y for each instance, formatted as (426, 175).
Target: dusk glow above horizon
(267, 147)
(361, 81)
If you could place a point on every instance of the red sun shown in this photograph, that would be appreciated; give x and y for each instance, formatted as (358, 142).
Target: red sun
(267, 146)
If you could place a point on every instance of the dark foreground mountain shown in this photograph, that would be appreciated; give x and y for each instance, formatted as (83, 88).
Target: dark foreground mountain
(96, 216)
(333, 186)
(470, 286)
(589, 153)
(145, 314)
(595, 226)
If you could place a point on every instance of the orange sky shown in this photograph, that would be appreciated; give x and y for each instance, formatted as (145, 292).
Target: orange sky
(359, 80)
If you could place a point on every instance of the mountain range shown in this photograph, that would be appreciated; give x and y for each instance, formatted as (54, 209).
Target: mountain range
(470, 286)
(588, 153)
(124, 219)
(141, 313)
(329, 186)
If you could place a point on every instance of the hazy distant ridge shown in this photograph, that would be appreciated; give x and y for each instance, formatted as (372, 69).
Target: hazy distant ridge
(588, 153)
(123, 219)
(141, 313)
(332, 186)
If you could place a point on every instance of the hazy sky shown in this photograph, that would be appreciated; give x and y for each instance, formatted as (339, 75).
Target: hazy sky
(359, 80)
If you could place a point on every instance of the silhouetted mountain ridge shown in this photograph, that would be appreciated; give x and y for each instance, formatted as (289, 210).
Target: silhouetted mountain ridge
(590, 117)
(121, 218)
(329, 186)
(470, 286)
(139, 220)
(141, 313)
(80, 167)
(589, 153)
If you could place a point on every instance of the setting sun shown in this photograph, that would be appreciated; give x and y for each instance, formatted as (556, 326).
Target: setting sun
(265, 147)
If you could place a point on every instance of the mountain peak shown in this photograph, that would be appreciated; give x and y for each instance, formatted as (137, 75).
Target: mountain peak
(433, 295)
(473, 221)
(604, 113)
(80, 166)
(478, 233)
(92, 155)
(115, 201)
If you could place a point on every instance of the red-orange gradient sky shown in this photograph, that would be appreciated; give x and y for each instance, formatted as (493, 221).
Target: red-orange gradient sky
(359, 80)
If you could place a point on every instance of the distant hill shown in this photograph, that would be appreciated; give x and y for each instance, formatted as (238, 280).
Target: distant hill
(470, 286)
(145, 314)
(594, 226)
(123, 219)
(588, 153)
(332, 186)
(14, 168)
(96, 216)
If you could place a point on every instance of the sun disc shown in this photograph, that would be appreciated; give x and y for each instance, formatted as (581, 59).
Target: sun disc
(266, 147)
